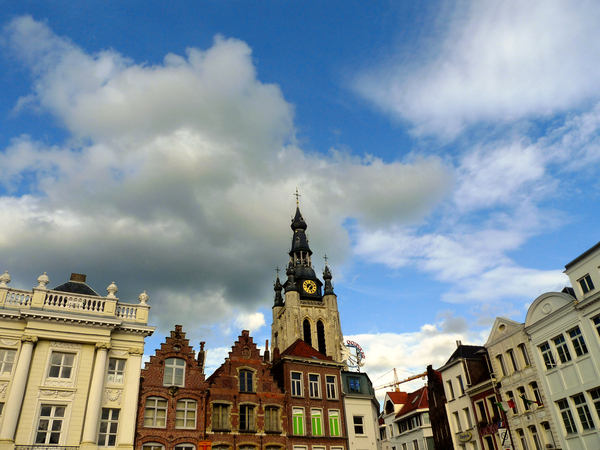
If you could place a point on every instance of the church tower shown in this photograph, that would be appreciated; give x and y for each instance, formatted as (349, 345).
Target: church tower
(308, 308)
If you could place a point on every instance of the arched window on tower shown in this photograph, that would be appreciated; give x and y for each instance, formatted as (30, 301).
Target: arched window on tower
(307, 334)
(321, 337)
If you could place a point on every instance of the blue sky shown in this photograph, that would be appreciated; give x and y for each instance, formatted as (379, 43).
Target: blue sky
(446, 155)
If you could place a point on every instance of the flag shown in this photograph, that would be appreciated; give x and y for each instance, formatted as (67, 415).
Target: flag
(529, 402)
(511, 404)
(504, 406)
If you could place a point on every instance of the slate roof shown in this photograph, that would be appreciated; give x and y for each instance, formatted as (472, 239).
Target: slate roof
(76, 287)
(466, 351)
(302, 349)
(415, 400)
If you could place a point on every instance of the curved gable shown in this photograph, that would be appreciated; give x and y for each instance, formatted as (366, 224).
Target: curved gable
(545, 305)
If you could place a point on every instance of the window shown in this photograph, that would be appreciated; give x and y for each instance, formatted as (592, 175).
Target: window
(523, 439)
(548, 433)
(156, 412)
(307, 332)
(536, 438)
(334, 423)
(354, 384)
(503, 370)
(461, 385)
(467, 414)
(116, 371)
(457, 421)
(567, 417)
(7, 361)
(382, 434)
(359, 427)
(330, 383)
(174, 372)
(298, 414)
(547, 355)
(316, 417)
(578, 342)
(511, 398)
(297, 384)
(50, 425)
(450, 390)
(562, 349)
(597, 324)
(482, 412)
(586, 284)
(313, 385)
(415, 445)
(153, 446)
(247, 416)
(524, 354)
(513, 360)
(536, 393)
(185, 447)
(246, 381)
(272, 422)
(595, 394)
(220, 417)
(61, 365)
(109, 423)
(321, 337)
(583, 412)
(185, 415)
(521, 391)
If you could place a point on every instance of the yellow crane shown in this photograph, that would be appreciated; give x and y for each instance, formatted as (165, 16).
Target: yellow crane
(395, 383)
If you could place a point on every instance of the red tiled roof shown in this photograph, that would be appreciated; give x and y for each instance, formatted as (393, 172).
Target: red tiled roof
(303, 350)
(416, 400)
(397, 397)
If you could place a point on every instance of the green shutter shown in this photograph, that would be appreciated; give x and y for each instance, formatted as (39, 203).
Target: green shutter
(334, 427)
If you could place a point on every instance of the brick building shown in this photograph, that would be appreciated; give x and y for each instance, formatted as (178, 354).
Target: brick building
(437, 411)
(172, 400)
(312, 385)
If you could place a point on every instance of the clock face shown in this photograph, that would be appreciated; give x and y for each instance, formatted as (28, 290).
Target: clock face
(310, 287)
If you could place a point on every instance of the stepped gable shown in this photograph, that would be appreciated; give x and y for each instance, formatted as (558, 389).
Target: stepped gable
(301, 349)
(415, 400)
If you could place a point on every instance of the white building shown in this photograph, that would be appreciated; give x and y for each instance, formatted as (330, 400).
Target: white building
(412, 428)
(70, 364)
(361, 410)
(563, 328)
(516, 376)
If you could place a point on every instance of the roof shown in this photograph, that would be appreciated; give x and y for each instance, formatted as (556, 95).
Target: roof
(76, 287)
(397, 397)
(583, 256)
(465, 351)
(301, 349)
(416, 400)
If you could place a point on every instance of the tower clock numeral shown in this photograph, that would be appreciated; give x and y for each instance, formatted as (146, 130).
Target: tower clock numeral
(310, 287)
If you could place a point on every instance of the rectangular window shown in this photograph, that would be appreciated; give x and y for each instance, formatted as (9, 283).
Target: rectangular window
(595, 394)
(521, 391)
(247, 416)
(524, 354)
(220, 417)
(513, 360)
(297, 384)
(246, 381)
(61, 365)
(536, 392)
(155, 414)
(272, 422)
(116, 371)
(334, 423)
(415, 445)
(596, 321)
(583, 412)
(503, 370)
(174, 372)
(313, 385)
(457, 421)
(547, 355)
(535, 437)
(586, 284)
(450, 390)
(467, 414)
(7, 361)
(50, 425)
(185, 416)
(316, 417)
(562, 349)
(109, 423)
(461, 385)
(511, 398)
(359, 426)
(522, 438)
(578, 342)
(482, 412)
(354, 384)
(331, 389)
(567, 417)
(298, 414)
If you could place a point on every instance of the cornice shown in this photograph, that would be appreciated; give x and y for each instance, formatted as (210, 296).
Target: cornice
(73, 318)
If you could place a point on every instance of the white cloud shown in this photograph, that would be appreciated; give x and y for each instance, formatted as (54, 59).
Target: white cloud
(252, 322)
(496, 61)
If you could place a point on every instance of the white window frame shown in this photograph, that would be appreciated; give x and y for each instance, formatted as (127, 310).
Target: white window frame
(314, 386)
(155, 408)
(152, 446)
(47, 430)
(185, 445)
(109, 427)
(62, 365)
(172, 365)
(450, 390)
(298, 413)
(297, 385)
(186, 409)
(334, 416)
(316, 414)
(331, 386)
(8, 359)
(361, 424)
(585, 283)
(116, 374)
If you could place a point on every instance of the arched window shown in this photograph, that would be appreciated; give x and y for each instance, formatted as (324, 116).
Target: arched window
(153, 446)
(321, 337)
(307, 334)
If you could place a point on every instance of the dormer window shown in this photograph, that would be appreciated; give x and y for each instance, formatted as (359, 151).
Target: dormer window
(586, 284)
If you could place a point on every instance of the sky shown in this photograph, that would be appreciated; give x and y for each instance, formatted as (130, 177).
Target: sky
(446, 155)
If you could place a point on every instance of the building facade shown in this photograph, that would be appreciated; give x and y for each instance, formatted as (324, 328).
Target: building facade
(361, 410)
(438, 416)
(70, 364)
(411, 425)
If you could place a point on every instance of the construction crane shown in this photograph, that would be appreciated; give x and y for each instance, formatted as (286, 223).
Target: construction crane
(395, 383)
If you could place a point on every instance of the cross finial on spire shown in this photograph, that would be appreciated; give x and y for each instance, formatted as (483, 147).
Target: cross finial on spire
(325, 258)
(297, 195)
(277, 270)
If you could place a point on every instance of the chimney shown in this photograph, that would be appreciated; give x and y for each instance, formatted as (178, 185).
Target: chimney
(458, 343)
(78, 277)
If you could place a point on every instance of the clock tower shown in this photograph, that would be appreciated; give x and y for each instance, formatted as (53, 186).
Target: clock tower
(307, 309)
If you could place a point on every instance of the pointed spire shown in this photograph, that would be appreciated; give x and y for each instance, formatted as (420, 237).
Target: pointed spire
(278, 288)
(327, 277)
(290, 284)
